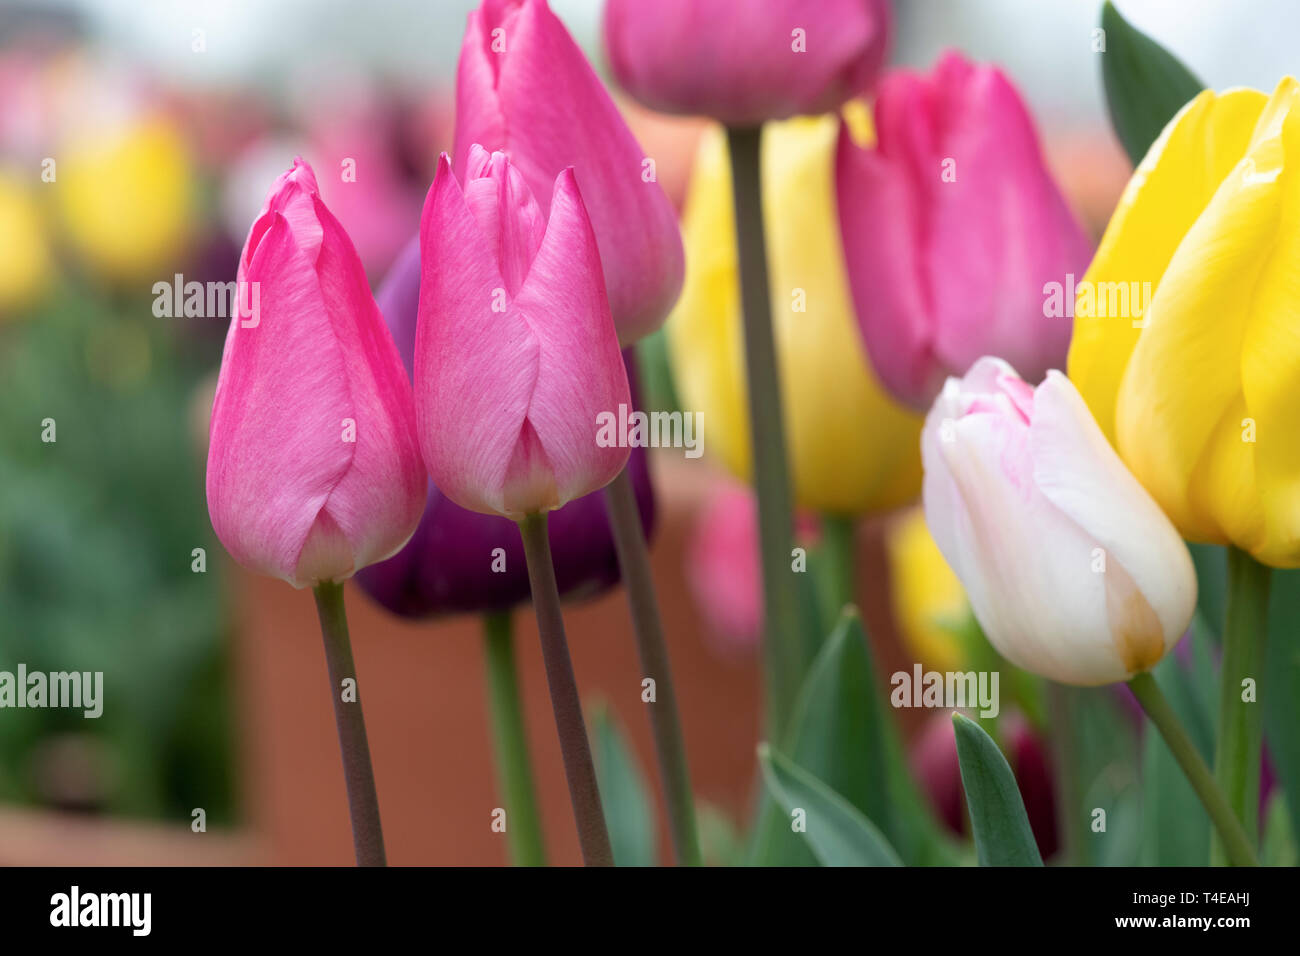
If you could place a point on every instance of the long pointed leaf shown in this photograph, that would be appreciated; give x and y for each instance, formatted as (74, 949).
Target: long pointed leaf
(997, 812)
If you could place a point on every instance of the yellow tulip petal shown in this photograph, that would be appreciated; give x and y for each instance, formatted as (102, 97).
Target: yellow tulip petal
(928, 598)
(1169, 190)
(1179, 413)
(26, 265)
(852, 449)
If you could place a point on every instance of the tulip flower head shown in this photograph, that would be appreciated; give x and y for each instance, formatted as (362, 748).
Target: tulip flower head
(313, 466)
(746, 63)
(460, 561)
(952, 226)
(515, 352)
(524, 87)
(1198, 389)
(1071, 568)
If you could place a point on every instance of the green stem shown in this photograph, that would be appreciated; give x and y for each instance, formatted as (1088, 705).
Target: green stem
(579, 771)
(839, 544)
(1237, 755)
(1063, 745)
(665, 720)
(767, 435)
(510, 743)
(1236, 844)
(363, 801)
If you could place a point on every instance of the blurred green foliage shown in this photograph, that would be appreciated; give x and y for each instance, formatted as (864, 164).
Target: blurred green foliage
(97, 530)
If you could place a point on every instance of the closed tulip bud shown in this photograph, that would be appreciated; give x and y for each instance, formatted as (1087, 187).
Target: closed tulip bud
(1185, 343)
(746, 63)
(313, 466)
(952, 227)
(525, 88)
(516, 355)
(1072, 570)
(852, 448)
(460, 561)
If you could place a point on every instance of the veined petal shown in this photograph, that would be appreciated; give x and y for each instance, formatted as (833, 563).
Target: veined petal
(475, 367)
(564, 305)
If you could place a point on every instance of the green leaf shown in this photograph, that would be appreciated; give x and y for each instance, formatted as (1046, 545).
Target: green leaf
(1145, 83)
(841, 733)
(837, 833)
(1279, 847)
(1211, 561)
(997, 813)
(629, 813)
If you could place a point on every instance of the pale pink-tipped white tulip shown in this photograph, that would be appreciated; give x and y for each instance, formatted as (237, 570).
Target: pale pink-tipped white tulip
(525, 88)
(952, 226)
(1071, 568)
(313, 467)
(515, 351)
(744, 63)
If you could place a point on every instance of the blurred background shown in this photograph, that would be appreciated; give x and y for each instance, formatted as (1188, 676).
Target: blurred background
(137, 140)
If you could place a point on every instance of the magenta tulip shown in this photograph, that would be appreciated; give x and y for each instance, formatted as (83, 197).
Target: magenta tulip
(525, 88)
(745, 63)
(313, 466)
(516, 355)
(952, 228)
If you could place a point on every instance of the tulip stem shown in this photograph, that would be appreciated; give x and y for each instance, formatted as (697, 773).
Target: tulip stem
(584, 794)
(1237, 755)
(839, 544)
(1236, 844)
(510, 743)
(665, 720)
(363, 801)
(767, 435)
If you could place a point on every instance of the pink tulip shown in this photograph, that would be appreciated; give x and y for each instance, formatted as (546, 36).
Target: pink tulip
(313, 467)
(952, 227)
(515, 351)
(745, 63)
(525, 88)
(1071, 568)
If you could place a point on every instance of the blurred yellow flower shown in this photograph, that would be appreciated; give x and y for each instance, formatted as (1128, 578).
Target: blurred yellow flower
(928, 600)
(126, 196)
(1201, 394)
(852, 449)
(25, 265)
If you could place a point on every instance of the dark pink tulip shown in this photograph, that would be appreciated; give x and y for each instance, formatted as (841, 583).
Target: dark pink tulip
(744, 63)
(516, 357)
(525, 88)
(450, 564)
(313, 466)
(952, 227)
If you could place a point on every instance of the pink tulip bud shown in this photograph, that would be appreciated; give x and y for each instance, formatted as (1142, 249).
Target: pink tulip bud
(313, 467)
(516, 355)
(746, 63)
(952, 228)
(1071, 568)
(524, 87)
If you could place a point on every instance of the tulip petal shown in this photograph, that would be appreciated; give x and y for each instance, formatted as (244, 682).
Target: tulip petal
(1078, 472)
(475, 368)
(1169, 190)
(563, 303)
(1182, 378)
(539, 101)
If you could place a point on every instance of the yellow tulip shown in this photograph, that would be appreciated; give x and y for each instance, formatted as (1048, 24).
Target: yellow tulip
(1201, 393)
(852, 449)
(25, 266)
(126, 197)
(929, 602)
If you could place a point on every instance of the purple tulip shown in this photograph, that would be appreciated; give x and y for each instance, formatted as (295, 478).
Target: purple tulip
(447, 566)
